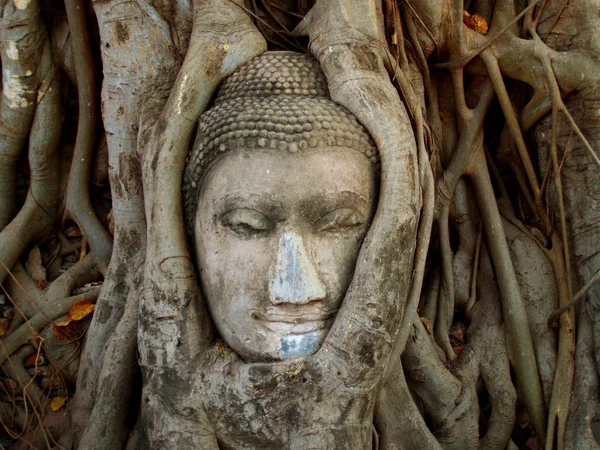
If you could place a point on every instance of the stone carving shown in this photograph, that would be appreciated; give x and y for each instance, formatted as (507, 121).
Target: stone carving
(279, 192)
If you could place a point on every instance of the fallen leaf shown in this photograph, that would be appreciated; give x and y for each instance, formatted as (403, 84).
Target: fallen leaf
(427, 324)
(475, 22)
(33, 360)
(81, 309)
(458, 350)
(34, 266)
(72, 231)
(64, 332)
(58, 402)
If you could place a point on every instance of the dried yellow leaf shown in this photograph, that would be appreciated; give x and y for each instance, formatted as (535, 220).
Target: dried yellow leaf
(58, 402)
(475, 22)
(64, 323)
(64, 332)
(81, 309)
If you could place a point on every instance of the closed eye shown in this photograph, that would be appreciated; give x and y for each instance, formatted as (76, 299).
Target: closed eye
(341, 219)
(246, 222)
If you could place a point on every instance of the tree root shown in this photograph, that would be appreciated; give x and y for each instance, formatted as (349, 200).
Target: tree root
(583, 411)
(571, 303)
(565, 367)
(540, 293)
(23, 291)
(519, 337)
(223, 37)
(25, 57)
(398, 420)
(78, 203)
(48, 314)
(38, 213)
(485, 356)
(114, 398)
(439, 392)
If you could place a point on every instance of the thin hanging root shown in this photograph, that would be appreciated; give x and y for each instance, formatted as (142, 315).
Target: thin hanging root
(557, 99)
(445, 311)
(563, 380)
(561, 203)
(580, 294)
(564, 158)
(463, 60)
(425, 27)
(473, 296)
(491, 63)
(78, 203)
(505, 148)
(565, 366)
(515, 316)
(469, 142)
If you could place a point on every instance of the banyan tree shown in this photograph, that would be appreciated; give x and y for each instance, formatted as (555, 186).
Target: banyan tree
(300, 224)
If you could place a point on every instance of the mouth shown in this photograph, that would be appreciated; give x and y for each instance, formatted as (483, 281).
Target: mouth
(293, 324)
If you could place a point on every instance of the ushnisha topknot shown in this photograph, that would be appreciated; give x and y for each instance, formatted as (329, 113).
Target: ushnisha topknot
(278, 100)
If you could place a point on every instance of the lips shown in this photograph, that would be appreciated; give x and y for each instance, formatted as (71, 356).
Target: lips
(293, 323)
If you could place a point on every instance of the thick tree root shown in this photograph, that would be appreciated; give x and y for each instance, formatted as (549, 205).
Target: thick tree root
(25, 57)
(48, 314)
(78, 203)
(398, 419)
(39, 211)
(114, 398)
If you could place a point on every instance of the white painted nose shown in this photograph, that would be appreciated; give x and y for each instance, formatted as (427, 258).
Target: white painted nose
(295, 279)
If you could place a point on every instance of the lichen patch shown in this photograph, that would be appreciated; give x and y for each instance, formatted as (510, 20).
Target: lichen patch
(12, 50)
(15, 92)
(22, 4)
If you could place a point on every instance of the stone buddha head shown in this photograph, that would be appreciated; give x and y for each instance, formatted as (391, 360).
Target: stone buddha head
(279, 191)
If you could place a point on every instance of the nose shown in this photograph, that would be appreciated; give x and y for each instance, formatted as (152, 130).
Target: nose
(295, 279)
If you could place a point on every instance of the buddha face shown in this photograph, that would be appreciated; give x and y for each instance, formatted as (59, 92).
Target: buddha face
(277, 236)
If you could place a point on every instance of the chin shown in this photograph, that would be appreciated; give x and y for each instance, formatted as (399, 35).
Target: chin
(281, 347)
(299, 345)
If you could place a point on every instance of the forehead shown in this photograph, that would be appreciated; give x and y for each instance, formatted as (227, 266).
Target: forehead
(289, 177)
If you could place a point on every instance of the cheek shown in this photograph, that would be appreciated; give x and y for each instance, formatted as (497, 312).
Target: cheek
(232, 270)
(335, 257)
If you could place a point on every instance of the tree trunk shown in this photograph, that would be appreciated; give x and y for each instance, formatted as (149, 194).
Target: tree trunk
(472, 317)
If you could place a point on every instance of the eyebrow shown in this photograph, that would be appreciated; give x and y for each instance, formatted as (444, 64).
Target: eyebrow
(335, 200)
(317, 205)
(262, 203)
